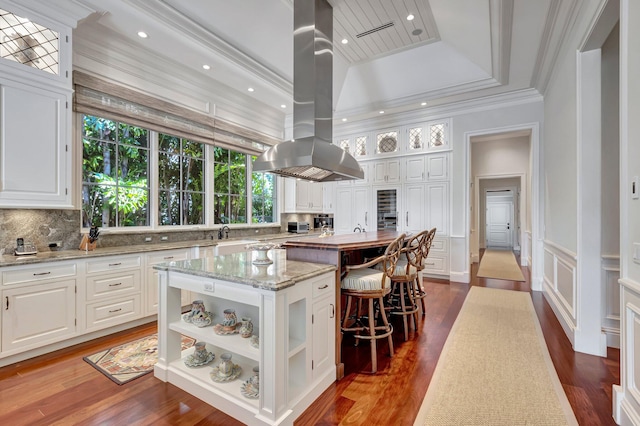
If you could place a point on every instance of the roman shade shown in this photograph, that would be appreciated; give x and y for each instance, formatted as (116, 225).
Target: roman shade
(101, 98)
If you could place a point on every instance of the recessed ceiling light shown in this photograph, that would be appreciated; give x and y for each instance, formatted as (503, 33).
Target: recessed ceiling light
(251, 89)
(410, 17)
(283, 106)
(344, 119)
(345, 41)
(381, 112)
(206, 67)
(142, 34)
(423, 104)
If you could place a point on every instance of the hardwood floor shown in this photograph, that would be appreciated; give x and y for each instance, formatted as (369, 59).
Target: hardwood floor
(61, 388)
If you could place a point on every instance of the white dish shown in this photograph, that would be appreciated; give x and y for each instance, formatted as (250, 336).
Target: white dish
(216, 377)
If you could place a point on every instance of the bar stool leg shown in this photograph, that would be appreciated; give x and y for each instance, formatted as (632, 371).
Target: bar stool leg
(387, 326)
(372, 332)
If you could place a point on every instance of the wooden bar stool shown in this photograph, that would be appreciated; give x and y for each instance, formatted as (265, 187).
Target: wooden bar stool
(403, 281)
(364, 283)
(425, 246)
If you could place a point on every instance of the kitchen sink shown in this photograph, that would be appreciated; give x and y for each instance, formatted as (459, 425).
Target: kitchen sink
(231, 246)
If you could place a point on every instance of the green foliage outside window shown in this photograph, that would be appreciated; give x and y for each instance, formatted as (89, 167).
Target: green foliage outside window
(180, 181)
(115, 170)
(263, 194)
(230, 186)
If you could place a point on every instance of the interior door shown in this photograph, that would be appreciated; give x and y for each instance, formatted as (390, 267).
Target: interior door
(499, 230)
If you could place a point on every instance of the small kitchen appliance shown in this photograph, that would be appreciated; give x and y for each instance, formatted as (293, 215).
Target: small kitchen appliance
(298, 227)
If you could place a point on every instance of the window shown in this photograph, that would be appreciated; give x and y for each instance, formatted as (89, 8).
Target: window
(264, 196)
(180, 181)
(230, 186)
(115, 171)
(117, 180)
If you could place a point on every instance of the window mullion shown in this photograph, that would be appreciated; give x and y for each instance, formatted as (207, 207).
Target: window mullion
(154, 176)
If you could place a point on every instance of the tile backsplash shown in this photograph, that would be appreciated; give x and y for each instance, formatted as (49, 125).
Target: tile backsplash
(43, 227)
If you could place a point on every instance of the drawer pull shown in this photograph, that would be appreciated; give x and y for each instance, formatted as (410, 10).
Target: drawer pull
(41, 273)
(115, 264)
(115, 285)
(333, 311)
(115, 310)
(7, 297)
(168, 257)
(323, 287)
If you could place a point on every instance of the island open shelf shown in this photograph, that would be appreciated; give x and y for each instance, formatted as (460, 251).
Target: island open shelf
(280, 301)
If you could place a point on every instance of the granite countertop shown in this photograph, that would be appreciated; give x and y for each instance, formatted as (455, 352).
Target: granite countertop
(238, 268)
(60, 255)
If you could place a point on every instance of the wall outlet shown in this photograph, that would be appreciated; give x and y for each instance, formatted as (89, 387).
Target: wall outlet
(55, 244)
(208, 287)
(164, 238)
(147, 239)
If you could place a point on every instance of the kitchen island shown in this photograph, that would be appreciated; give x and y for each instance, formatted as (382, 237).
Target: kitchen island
(339, 250)
(291, 307)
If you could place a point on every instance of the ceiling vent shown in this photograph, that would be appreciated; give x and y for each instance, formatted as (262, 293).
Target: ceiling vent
(375, 30)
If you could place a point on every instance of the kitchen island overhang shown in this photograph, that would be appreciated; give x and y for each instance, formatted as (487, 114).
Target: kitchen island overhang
(291, 305)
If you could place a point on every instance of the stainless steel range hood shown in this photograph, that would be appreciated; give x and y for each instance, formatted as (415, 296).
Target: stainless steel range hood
(311, 155)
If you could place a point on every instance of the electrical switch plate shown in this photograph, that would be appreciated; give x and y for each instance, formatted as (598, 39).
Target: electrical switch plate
(635, 188)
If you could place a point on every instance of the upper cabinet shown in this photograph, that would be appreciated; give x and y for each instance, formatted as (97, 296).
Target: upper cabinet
(431, 136)
(35, 168)
(302, 196)
(35, 118)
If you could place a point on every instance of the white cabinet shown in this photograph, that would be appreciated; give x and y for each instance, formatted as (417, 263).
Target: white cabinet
(361, 208)
(437, 263)
(437, 166)
(290, 379)
(412, 219)
(352, 209)
(35, 166)
(301, 196)
(112, 292)
(38, 312)
(436, 211)
(428, 167)
(367, 169)
(386, 171)
(151, 282)
(329, 197)
(323, 328)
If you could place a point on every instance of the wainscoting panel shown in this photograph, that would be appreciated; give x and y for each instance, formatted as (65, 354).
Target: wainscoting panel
(611, 300)
(528, 243)
(626, 397)
(560, 287)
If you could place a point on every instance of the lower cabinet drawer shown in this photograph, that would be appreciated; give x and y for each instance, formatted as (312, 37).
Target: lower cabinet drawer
(38, 273)
(111, 285)
(437, 265)
(113, 312)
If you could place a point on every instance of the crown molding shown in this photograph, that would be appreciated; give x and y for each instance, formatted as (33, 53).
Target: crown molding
(503, 100)
(67, 13)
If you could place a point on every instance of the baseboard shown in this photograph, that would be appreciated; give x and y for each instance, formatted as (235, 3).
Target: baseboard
(613, 337)
(460, 277)
(569, 329)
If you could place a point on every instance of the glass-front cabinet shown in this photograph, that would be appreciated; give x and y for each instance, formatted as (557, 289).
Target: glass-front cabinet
(387, 209)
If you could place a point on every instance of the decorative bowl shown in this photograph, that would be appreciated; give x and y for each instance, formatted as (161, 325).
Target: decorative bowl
(261, 249)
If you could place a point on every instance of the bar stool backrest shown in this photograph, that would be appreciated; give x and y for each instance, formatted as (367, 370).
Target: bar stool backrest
(426, 245)
(391, 255)
(414, 250)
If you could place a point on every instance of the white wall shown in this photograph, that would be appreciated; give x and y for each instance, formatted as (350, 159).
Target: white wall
(502, 118)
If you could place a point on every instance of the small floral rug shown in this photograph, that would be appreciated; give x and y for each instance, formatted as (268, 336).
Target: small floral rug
(129, 361)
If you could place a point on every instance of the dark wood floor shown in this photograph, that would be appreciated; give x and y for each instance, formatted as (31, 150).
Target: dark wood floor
(61, 388)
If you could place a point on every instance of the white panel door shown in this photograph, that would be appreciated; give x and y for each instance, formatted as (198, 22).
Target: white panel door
(361, 208)
(499, 224)
(415, 169)
(414, 206)
(343, 216)
(34, 170)
(37, 315)
(437, 211)
(315, 196)
(437, 166)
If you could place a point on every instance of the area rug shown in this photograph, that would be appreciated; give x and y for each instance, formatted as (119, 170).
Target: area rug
(495, 368)
(500, 264)
(129, 361)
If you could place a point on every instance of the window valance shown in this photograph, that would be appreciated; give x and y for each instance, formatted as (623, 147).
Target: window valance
(98, 97)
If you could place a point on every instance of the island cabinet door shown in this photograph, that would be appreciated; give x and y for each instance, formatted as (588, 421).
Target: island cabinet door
(323, 322)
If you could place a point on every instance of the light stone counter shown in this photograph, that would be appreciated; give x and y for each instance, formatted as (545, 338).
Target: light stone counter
(238, 268)
(59, 255)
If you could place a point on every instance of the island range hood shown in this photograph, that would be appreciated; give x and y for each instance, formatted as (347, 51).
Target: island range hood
(311, 155)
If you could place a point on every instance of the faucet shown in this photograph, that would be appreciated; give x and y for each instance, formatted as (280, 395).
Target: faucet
(357, 228)
(223, 231)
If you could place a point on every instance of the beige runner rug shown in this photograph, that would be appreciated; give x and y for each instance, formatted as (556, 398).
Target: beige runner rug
(500, 264)
(495, 368)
